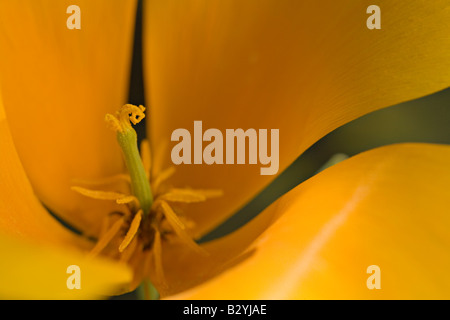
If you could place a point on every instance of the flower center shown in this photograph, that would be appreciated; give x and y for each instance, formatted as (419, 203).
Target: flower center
(136, 235)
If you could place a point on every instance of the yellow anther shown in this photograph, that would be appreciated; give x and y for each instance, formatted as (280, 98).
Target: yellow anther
(128, 199)
(190, 195)
(134, 227)
(179, 228)
(209, 193)
(170, 215)
(99, 194)
(182, 195)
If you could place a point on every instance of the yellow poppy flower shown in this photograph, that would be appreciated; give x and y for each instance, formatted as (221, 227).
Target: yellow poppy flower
(303, 68)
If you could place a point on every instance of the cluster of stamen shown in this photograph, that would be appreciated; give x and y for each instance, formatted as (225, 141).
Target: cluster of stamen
(133, 235)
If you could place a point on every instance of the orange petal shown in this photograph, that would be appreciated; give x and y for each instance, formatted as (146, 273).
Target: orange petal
(57, 86)
(21, 213)
(387, 207)
(304, 68)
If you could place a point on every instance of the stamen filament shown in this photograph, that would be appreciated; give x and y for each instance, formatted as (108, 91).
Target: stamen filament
(157, 256)
(161, 177)
(129, 251)
(106, 239)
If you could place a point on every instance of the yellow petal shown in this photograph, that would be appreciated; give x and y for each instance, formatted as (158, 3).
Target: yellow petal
(387, 207)
(57, 86)
(29, 271)
(304, 68)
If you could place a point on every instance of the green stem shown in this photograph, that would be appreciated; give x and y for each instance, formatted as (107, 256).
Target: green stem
(140, 185)
(146, 291)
